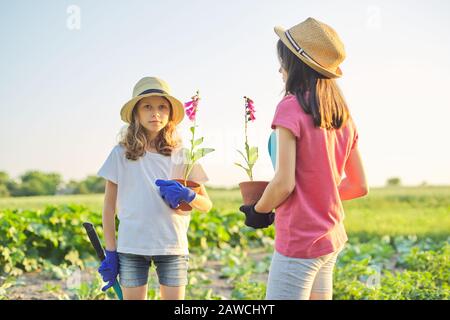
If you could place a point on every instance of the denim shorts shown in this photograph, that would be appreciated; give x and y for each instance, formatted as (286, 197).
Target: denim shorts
(171, 269)
(296, 278)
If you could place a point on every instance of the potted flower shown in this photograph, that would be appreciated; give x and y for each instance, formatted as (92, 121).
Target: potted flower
(251, 191)
(193, 154)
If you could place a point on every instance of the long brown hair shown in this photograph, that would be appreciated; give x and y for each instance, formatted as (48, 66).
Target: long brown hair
(317, 94)
(135, 138)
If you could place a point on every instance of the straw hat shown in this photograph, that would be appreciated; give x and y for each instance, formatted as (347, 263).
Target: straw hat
(151, 86)
(316, 44)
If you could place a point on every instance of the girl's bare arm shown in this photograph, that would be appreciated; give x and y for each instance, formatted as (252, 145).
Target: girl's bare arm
(109, 215)
(201, 201)
(283, 182)
(354, 185)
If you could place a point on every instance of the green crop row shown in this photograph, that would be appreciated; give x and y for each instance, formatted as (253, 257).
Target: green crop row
(28, 238)
(386, 267)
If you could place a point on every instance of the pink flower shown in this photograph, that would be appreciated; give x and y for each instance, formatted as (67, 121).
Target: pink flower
(191, 107)
(250, 109)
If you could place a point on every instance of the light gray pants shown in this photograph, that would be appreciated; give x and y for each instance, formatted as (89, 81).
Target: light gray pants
(295, 278)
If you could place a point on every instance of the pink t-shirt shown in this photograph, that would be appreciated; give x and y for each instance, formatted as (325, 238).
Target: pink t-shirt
(309, 223)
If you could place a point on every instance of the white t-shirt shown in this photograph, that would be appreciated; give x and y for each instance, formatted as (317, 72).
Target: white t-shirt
(148, 226)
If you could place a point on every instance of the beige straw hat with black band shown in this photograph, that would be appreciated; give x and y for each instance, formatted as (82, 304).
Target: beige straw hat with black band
(316, 44)
(152, 86)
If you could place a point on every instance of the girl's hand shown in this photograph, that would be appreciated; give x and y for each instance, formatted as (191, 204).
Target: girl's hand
(257, 220)
(174, 192)
(109, 268)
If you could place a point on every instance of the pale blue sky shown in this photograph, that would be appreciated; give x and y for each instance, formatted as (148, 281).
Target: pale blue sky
(61, 90)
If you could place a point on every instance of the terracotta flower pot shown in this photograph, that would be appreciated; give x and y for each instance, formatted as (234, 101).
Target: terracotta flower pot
(184, 206)
(252, 191)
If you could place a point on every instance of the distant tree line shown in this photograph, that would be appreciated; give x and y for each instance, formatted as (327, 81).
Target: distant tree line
(37, 183)
(393, 182)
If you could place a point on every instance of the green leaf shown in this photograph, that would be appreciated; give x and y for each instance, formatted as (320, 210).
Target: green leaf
(253, 155)
(243, 156)
(240, 165)
(200, 153)
(198, 141)
(247, 170)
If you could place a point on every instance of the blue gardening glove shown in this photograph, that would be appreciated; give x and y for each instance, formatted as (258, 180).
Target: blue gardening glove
(109, 268)
(255, 219)
(174, 192)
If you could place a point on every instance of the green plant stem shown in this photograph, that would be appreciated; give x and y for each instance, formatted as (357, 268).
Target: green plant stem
(190, 165)
(247, 149)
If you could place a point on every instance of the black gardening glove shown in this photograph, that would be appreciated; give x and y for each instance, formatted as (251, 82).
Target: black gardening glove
(256, 220)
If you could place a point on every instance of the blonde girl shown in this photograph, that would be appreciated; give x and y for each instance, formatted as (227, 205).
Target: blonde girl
(151, 230)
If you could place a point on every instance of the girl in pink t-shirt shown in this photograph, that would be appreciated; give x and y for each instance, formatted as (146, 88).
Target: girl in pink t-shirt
(317, 145)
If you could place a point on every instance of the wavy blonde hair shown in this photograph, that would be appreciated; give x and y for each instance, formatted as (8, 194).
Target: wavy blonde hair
(135, 139)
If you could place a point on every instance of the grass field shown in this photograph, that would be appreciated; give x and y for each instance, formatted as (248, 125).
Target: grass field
(399, 236)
